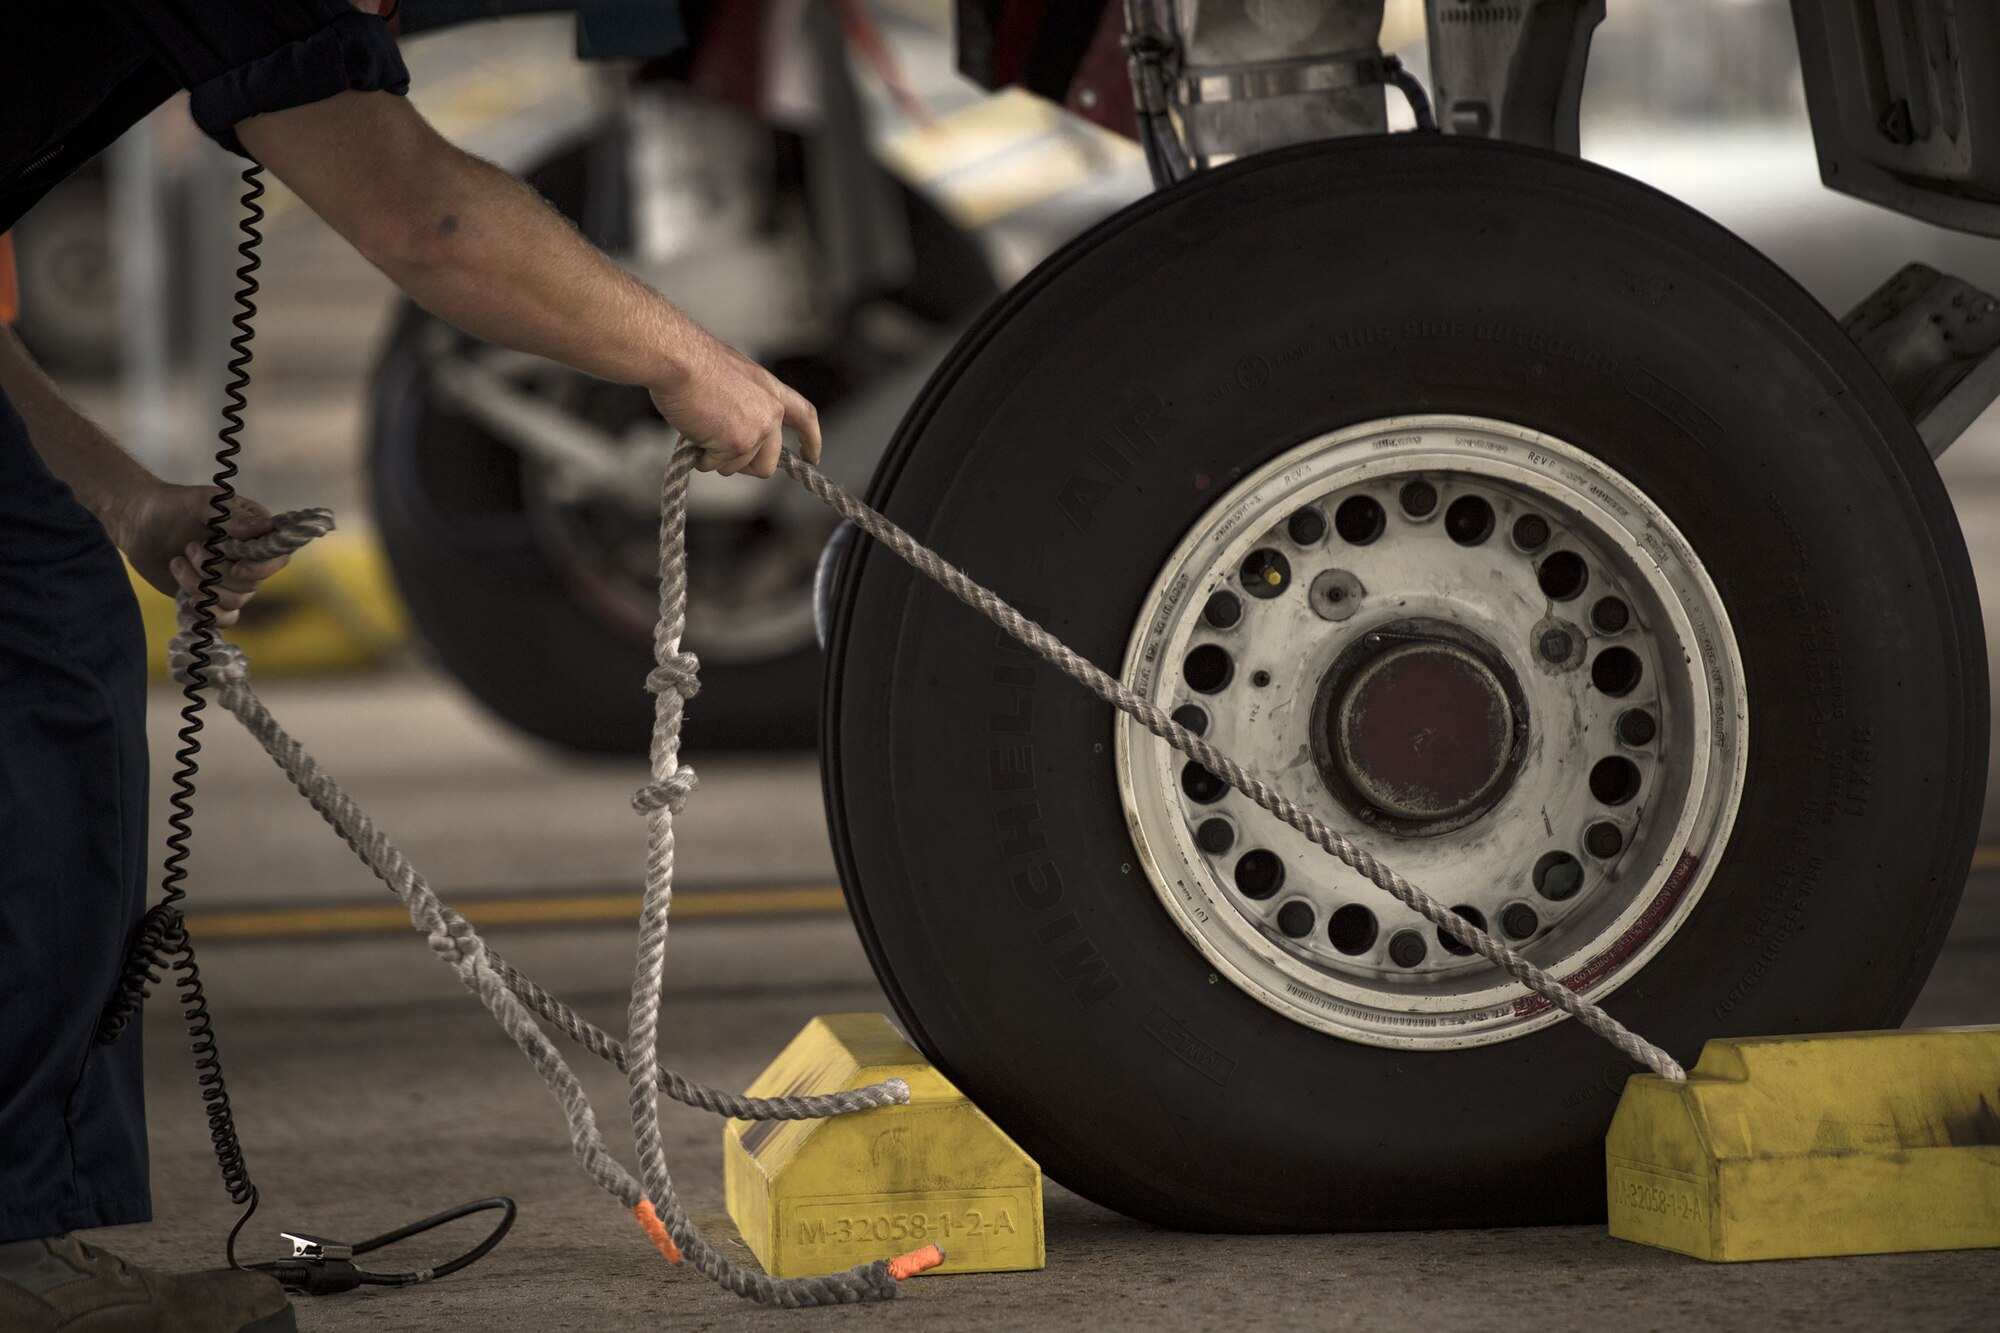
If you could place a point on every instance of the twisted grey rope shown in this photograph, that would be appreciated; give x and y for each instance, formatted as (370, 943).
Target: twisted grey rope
(515, 1001)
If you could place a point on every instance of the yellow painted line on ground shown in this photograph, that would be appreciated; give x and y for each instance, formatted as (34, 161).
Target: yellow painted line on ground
(522, 910)
(579, 909)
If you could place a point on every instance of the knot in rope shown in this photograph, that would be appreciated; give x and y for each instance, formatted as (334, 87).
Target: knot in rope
(226, 663)
(679, 674)
(454, 940)
(669, 793)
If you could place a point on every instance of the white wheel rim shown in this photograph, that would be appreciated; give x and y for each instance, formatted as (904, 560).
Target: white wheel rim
(1419, 586)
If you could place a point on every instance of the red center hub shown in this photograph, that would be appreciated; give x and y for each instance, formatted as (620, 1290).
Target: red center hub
(1424, 731)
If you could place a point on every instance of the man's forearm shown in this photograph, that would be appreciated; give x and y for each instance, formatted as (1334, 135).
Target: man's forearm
(102, 475)
(469, 242)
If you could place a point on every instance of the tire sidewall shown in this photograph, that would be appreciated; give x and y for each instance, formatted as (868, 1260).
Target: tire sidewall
(1083, 428)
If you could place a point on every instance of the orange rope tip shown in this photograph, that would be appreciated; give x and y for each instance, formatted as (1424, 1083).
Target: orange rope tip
(656, 1230)
(916, 1261)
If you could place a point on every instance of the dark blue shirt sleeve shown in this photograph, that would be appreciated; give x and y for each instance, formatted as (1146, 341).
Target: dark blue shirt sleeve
(242, 58)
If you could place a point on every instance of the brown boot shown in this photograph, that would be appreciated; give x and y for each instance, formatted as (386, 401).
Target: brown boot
(76, 1288)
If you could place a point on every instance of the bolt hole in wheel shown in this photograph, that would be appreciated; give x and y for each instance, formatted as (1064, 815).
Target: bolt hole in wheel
(1563, 576)
(1469, 520)
(1617, 671)
(1352, 929)
(1558, 876)
(1202, 787)
(1452, 946)
(1266, 573)
(1445, 728)
(1208, 668)
(1259, 874)
(1359, 520)
(1614, 781)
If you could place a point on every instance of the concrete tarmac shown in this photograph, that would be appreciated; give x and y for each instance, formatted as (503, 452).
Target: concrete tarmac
(373, 1090)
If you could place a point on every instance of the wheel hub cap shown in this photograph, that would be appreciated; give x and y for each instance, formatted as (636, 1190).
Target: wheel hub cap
(1424, 731)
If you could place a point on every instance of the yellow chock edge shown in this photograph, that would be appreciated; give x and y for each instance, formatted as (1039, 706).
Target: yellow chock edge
(1810, 1146)
(334, 608)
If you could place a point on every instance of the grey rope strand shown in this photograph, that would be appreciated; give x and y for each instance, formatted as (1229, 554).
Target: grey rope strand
(290, 533)
(672, 681)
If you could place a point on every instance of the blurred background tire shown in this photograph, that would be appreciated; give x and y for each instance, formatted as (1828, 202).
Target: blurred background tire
(542, 605)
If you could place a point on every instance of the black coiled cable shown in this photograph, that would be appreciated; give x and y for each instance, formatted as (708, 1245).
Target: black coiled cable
(162, 935)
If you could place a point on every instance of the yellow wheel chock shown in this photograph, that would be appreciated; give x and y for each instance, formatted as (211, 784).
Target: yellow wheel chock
(1791, 1147)
(817, 1196)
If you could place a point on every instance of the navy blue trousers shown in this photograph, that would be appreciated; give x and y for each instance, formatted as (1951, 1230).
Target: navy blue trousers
(73, 857)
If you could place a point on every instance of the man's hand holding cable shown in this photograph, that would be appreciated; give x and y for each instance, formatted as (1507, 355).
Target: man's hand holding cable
(735, 411)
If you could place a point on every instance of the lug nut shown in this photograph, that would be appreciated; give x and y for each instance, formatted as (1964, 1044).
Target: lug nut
(1603, 841)
(1419, 498)
(1556, 645)
(1519, 921)
(1306, 527)
(1407, 948)
(1531, 532)
(1636, 727)
(1215, 836)
(1223, 610)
